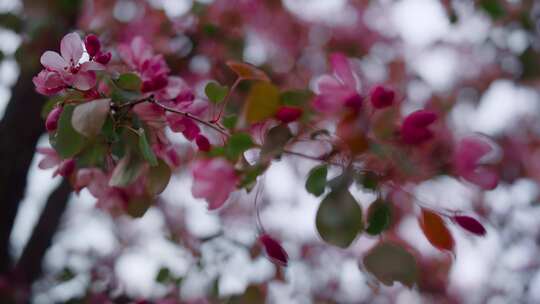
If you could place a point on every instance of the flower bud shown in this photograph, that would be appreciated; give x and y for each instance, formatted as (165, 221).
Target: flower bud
(103, 57)
(273, 249)
(92, 45)
(51, 124)
(382, 97)
(202, 143)
(288, 114)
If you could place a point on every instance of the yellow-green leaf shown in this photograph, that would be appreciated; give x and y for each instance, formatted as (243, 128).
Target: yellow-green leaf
(390, 262)
(262, 102)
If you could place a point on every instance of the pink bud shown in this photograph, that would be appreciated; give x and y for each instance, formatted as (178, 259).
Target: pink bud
(288, 114)
(147, 86)
(202, 143)
(92, 45)
(51, 124)
(414, 129)
(103, 58)
(470, 224)
(66, 168)
(382, 97)
(273, 249)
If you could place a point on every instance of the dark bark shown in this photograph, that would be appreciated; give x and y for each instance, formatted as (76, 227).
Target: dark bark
(21, 126)
(29, 266)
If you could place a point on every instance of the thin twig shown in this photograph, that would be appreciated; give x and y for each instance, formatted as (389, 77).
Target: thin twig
(226, 99)
(134, 103)
(316, 158)
(195, 118)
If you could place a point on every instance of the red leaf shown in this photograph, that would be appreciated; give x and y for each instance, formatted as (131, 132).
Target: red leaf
(246, 71)
(273, 249)
(470, 224)
(436, 231)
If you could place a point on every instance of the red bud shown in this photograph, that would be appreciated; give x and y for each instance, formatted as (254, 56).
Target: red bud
(382, 97)
(470, 224)
(273, 249)
(66, 168)
(414, 129)
(92, 45)
(288, 114)
(103, 58)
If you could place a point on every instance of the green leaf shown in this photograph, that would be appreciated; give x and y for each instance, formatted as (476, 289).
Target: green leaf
(368, 180)
(49, 105)
(295, 97)
(66, 141)
(275, 140)
(93, 155)
(215, 92)
(164, 275)
(88, 118)
(493, 8)
(138, 206)
(129, 82)
(390, 262)
(339, 218)
(146, 150)
(316, 181)
(379, 215)
(237, 144)
(128, 169)
(109, 131)
(158, 178)
(262, 102)
(229, 122)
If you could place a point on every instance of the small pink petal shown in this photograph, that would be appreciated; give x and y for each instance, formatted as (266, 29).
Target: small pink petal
(92, 66)
(103, 57)
(53, 61)
(382, 97)
(84, 80)
(71, 48)
(202, 143)
(414, 129)
(213, 180)
(343, 71)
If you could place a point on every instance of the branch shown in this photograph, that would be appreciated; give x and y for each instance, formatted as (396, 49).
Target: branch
(29, 265)
(195, 118)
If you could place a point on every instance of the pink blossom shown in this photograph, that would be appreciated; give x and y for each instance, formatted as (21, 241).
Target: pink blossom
(67, 65)
(471, 153)
(97, 183)
(48, 83)
(51, 124)
(414, 129)
(337, 90)
(152, 68)
(213, 179)
(186, 126)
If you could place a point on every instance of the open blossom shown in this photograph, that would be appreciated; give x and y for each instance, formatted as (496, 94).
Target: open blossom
(469, 157)
(97, 183)
(213, 179)
(339, 89)
(415, 127)
(68, 67)
(48, 83)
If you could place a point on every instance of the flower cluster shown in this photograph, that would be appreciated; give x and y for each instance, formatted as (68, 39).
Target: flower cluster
(111, 123)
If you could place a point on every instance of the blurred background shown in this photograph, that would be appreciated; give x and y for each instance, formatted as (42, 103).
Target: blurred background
(481, 58)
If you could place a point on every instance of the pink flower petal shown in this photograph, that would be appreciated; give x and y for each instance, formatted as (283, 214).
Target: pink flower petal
(414, 129)
(71, 48)
(213, 180)
(84, 80)
(53, 61)
(342, 69)
(92, 66)
(274, 250)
